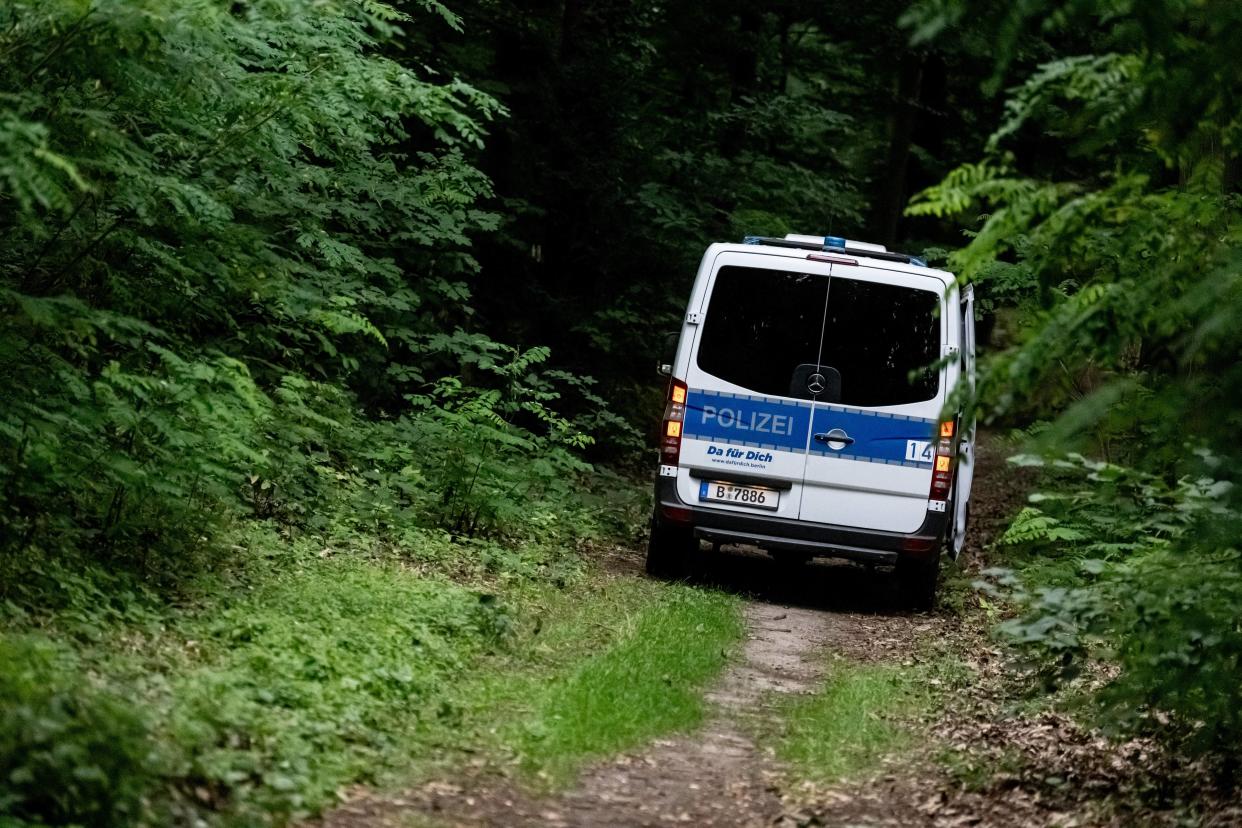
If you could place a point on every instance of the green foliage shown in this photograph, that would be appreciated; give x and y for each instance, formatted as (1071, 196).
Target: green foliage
(321, 666)
(1106, 210)
(318, 666)
(318, 676)
(1129, 568)
(1076, 98)
(489, 472)
(235, 338)
(228, 270)
(1113, 510)
(204, 225)
(69, 755)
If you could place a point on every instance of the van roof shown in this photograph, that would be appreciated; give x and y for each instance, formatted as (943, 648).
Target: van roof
(802, 248)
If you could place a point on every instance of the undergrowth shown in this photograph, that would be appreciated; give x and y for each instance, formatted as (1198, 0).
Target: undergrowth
(1124, 586)
(256, 699)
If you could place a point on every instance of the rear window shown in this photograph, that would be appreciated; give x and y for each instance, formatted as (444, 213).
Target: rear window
(763, 329)
(882, 338)
(761, 325)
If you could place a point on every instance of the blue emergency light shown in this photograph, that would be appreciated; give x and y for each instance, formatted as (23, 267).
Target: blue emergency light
(834, 242)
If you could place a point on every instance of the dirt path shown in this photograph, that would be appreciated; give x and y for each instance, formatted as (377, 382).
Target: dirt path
(714, 776)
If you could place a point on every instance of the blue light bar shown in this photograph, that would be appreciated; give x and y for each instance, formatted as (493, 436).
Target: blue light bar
(917, 262)
(753, 240)
(834, 241)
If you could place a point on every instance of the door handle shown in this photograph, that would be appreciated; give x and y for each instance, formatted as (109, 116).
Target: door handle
(835, 436)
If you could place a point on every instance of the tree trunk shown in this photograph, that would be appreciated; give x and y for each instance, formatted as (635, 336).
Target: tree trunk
(892, 197)
(572, 14)
(743, 76)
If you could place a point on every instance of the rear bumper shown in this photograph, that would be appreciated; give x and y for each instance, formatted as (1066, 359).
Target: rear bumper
(784, 535)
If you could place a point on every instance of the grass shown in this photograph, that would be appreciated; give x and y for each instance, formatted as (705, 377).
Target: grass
(258, 700)
(599, 669)
(649, 682)
(861, 714)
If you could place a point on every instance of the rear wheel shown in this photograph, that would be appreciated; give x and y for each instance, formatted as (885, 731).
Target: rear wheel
(916, 579)
(669, 549)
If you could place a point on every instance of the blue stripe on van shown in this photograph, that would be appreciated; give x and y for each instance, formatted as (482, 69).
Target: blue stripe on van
(781, 425)
(878, 438)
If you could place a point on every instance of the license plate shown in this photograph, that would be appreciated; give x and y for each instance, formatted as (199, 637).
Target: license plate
(756, 497)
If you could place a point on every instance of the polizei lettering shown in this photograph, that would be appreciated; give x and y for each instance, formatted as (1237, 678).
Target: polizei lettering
(760, 422)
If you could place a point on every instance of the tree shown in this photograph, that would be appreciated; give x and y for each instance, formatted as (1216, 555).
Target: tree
(208, 233)
(1107, 198)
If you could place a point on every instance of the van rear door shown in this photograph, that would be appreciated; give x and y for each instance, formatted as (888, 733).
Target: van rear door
(760, 328)
(870, 458)
(966, 446)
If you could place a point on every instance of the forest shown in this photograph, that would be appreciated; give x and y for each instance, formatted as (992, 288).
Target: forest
(329, 325)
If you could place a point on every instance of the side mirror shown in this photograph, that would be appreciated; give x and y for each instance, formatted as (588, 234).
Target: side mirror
(664, 365)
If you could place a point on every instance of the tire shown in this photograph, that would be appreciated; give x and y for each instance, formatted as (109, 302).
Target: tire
(917, 581)
(668, 550)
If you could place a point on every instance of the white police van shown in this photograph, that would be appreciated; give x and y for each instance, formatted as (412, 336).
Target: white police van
(806, 409)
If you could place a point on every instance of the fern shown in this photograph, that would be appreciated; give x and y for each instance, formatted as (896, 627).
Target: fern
(1091, 94)
(1034, 526)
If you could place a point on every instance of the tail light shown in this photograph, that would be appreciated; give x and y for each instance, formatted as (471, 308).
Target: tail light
(670, 430)
(942, 472)
(917, 544)
(677, 514)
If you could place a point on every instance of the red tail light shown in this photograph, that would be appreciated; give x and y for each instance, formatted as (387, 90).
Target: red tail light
(670, 430)
(942, 471)
(677, 514)
(917, 544)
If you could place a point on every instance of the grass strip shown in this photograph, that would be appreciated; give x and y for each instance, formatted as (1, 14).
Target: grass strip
(860, 715)
(650, 681)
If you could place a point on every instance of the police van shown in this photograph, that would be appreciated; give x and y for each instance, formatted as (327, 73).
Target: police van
(806, 410)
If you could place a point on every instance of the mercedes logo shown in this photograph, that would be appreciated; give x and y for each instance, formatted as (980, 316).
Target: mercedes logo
(816, 383)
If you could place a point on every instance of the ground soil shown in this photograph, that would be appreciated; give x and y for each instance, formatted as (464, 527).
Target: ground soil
(1038, 770)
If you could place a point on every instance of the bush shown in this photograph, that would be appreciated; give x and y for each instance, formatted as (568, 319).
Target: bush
(69, 755)
(228, 272)
(1106, 209)
(200, 204)
(1128, 569)
(317, 675)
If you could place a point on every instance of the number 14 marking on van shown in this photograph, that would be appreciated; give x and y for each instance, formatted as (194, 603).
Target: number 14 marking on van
(920, 451)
